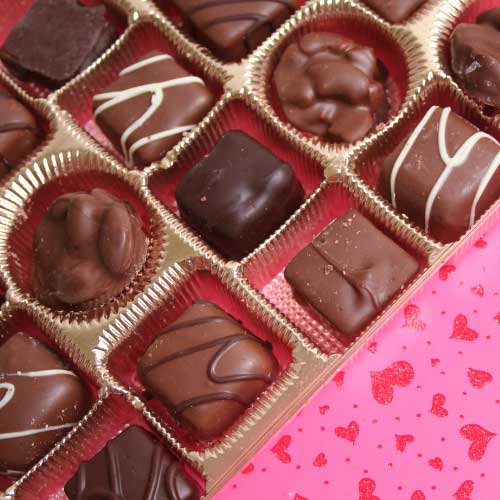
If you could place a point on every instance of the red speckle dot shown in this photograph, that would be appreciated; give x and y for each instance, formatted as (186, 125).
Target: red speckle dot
(419, 387)
(298, 467)
(497, 401)
(488, 337)
(365, 471)
(460, 352)
(379, 446)
(263, 469)
(348, 459)
(299, 429)
(433, 292)
(442, 372)
(480, 243)
(390, 464)
(404, 348)
(455, 468)
(482, 474)
(464, 393)
(429, 342)
(354, 405)
(234, 486)
(326, 481)
(443, 312)
(397, 419)
(374, 421)
(443, 439)
(433, 487)
(400, 488)
(322, 428)
(418, 415)
(419, 455)
(461, 416)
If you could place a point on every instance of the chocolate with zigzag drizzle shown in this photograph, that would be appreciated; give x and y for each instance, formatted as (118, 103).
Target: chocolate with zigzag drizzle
(132, 466)
(19, 133)
(207, 369)
(234, 28)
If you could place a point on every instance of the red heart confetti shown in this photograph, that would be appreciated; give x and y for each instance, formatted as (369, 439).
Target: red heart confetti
(373, 346)
(438, 400)
(349, 433)
(477, 290)
(480, 243)
(402, 440)
(320, 460)
(366, 489)
(497, 318)
(464, 490)
(399, 374)
(323, 409)
(480, 438)
(248, 469)
(279, 449)
(412, 321)
(436, 463)
(479, 377)
(435, 361)
(418, 495)
(461, 331)
(446, 270)
(299, 497)
(339, 378)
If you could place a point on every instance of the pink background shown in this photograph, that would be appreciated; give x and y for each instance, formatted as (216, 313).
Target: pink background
(415, 413)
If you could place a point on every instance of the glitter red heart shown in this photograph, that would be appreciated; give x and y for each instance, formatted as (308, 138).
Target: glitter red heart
(438, 400)
(479, 437)
(350, 433)
(461, 331)
(366, 489)
(399, 374)
(279, 449)
(479, 377)
(402, 441)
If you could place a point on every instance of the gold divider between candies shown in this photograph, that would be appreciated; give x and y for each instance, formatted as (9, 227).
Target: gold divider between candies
(68, 150)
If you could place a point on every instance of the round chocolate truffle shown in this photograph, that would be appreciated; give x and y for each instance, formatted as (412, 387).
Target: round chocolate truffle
(87, 249)
(330, 86)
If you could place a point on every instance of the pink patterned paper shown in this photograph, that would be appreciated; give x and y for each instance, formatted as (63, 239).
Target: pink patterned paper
(415, 415)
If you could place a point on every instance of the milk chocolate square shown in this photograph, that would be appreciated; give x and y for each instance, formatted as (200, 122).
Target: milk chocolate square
(207, 369)
(349, 272)
(133, 465)
(232, 29)
(56, 40)
(145, 112)
(41, 399)
(394, 11)
(238, 195)
(444, 175)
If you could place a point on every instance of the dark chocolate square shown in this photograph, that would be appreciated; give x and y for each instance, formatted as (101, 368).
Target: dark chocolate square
(349, 272)
(133, 465)
(147, 109)
(238, 195)
(56, 40)
(234, 28)
(41, 399)
(443, 188)
(394, 11)
(207, 369)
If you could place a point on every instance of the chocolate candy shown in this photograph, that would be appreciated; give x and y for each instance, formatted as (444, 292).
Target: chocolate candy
(232, 29)
(41, 399)
(87, 249)
(349, 272)
(19, 133)
(56, 40)
(330, 86)
(133, 465)
(207, 369)
(394, 11)
(444, 175)
(238, 195)
(475, 57)
(147, 109)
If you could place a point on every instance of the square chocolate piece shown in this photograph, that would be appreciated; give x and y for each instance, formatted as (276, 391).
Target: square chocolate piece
(238, 195)
(19, 133)
(56, 40)
(349, 272)
(444, 175)
(394, 11)
(147, 109)
(41, 399)
(207, 369)
(133, 465)
(232, 29)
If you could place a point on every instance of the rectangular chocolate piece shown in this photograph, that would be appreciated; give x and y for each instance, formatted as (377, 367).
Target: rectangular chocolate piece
(56, 40)
(394, 11)
(147, 109)
(207, 369)
(133, 465)
(232, 29)
(444, 175)
(349, 272)
(238, 195)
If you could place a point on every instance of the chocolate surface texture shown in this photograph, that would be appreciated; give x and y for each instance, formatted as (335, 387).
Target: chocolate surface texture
(147, 109)
(394, 11)
(238, 195)
(87, 248)
(444, 175)
(207, 369)
(19, 133)
(330, 86)
(475, 57)
(41, 399)
(232, 29)
(349, 272)
(132, 466)
(56, 40)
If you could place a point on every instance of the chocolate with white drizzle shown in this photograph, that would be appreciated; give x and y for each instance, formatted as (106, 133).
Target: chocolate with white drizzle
(134, 465)
(40, 400)
(148, 108)
(444, 175)
(207, 369)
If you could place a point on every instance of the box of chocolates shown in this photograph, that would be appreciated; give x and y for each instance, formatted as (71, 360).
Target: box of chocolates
(207, 207)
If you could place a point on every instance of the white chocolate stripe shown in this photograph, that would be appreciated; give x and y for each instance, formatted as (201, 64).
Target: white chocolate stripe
(406, 149)
(145, 62)
(31, 432)
(41, 373)
(9, 394)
